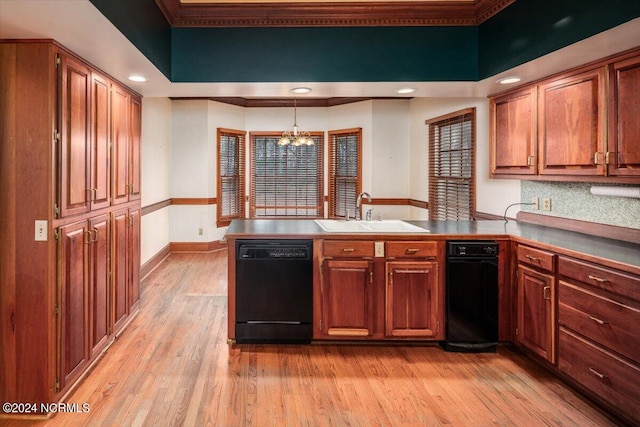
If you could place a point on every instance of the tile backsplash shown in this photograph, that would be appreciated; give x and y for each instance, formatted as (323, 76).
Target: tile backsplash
(574, 200)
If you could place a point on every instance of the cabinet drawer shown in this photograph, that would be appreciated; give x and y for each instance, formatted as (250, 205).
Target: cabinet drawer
(612, 379)
(412, 249)
(536, 258)
(605, 321)
(344, 248)
(602, 278)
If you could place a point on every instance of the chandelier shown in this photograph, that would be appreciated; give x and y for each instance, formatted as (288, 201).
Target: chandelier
(295, 136)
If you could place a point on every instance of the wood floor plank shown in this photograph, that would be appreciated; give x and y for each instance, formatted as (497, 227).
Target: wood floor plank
(173, 367)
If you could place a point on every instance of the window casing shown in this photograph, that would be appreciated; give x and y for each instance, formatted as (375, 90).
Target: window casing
(345, 171)
(231, 176)
(452, 165)
(286, 181)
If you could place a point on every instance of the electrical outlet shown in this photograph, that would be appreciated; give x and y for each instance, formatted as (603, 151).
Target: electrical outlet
(200, 231)
(41, 230)
(379, 249)
(536, 203)
(546, 204)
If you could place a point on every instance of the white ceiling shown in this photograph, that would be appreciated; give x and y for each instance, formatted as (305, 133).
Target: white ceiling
(80, 27)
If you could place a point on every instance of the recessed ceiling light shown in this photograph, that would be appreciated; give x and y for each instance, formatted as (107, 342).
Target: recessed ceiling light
(300, 90)
(405, 90)
(509, 80)
(137, 78)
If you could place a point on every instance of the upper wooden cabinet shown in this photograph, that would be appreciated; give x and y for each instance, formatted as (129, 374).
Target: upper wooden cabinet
(513, 133)
(556, 129)
(623, 157)
(571, 125)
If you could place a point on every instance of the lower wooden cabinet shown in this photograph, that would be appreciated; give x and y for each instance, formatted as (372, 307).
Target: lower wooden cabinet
(99, 276)
(380, 290)
(412, 299)
(536, 312)
(348, 298)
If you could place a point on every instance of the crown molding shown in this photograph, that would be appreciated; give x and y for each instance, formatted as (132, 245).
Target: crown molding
(282, 102)
(330, 14)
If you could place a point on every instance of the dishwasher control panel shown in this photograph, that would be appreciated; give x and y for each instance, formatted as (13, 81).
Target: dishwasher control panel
(476, 248)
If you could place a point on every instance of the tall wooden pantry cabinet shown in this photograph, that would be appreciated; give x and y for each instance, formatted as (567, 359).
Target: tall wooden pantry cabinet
(69, 218)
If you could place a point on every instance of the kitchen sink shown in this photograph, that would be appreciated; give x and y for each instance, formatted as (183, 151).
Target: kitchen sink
(383, 226)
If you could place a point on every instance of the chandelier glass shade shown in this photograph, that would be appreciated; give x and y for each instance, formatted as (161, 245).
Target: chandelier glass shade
(295, 136)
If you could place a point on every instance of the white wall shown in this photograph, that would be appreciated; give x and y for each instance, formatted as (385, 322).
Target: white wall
(492, 195)
(156, 173)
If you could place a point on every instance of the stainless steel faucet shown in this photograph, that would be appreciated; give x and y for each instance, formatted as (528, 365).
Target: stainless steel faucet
(359, 202)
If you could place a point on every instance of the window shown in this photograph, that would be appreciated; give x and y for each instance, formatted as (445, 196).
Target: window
(231, 190)
(452, 165)
(345, 171)
(286, 181)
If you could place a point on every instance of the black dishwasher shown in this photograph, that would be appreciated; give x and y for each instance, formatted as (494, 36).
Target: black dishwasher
(472, 296)
(274, 291)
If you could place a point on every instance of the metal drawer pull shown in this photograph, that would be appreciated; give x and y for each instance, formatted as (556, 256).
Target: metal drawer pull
(412, 251)
(598, 321)
(546, 292)
(597, 374)
(348, 250)
(532, 258)
(597, 279)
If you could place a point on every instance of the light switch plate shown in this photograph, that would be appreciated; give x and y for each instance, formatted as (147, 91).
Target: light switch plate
(379, 249)
(41, 230)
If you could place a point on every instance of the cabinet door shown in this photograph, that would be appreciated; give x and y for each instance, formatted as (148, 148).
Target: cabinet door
(623, 155)
(412, 299)
(347, 298)
(100, 150)
(135, 115)
(536, 312)
(74, 302)
(120, 140)
(74, 143)
(571, 125)
(119, 280)
(100, 235)
(513, 133)
(133, 274)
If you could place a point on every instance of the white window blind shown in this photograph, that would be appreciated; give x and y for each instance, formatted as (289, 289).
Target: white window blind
(452, 166)
(286, 181)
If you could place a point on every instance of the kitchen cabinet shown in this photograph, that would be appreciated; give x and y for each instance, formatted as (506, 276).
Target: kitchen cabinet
(74, 302)
(571, 120)
(412, 292)
(513, 133)
(556, 129)
(598, 314)
(125, 129)
(536, 291)
(74, 135)
(56, 162)
(395, 293)
(126, 265)
(623, 155)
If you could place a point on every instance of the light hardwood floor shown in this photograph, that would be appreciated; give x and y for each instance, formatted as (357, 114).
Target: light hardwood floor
(173, 366)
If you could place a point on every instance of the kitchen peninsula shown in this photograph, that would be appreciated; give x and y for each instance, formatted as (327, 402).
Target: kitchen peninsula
(569, 300)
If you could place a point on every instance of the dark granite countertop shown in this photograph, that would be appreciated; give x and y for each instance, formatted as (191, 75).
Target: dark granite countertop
(620, 253)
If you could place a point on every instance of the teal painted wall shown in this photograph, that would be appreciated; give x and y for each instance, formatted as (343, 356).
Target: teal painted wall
(324, 54)
(528, 29)
(523, 31)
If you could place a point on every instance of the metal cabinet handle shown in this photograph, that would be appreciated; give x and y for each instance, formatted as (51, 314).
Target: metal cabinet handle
(412, 251)
(87, 237)
(598, 321)
(532, 258)
(530, 160)
(597, 374)
(597, 279)
(595, 157)
(546, 292)
(95, 239)
(348, 250)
